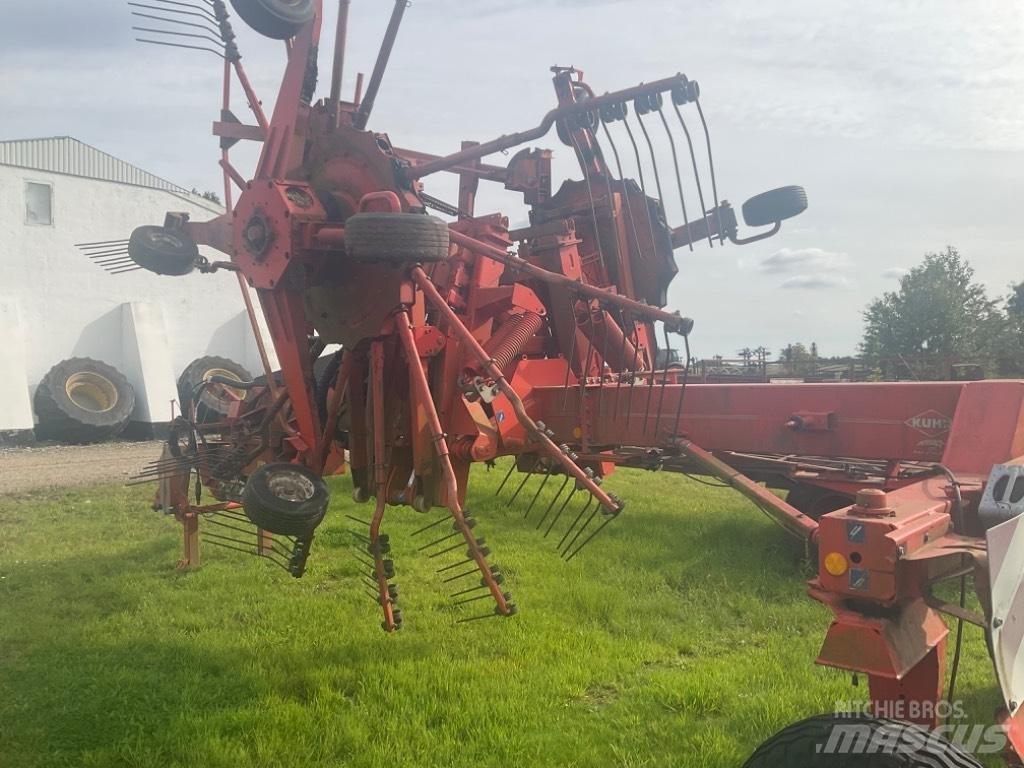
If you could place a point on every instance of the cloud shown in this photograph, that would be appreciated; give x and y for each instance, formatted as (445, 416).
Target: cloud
(816, 280)
(895, 273)
(791, 260)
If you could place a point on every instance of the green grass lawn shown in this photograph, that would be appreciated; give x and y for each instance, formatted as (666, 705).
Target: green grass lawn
(681, 637)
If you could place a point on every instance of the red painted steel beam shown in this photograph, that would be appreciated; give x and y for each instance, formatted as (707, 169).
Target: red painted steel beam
(515, 139)
(980, 422)
(673, 319)
(790, 518)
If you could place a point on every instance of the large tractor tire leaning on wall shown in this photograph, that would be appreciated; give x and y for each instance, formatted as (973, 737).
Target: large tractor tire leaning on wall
(214, 400)
(83, 401)
(858, 741)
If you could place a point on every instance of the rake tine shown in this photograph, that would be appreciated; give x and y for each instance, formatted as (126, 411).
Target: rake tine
(434, 524)
(169, 20)
(467, 561)
(468, 590)
(696, 171)
(571, 357)
(102, 242)
(711, 166)
(525, 479)
(664, 381)
(119, 250)
(622, 359)
(561, 509)
(590, 350)
(446, 551)
(579, 517)
(682, 392)
(590, 196)
(581, 530)
(640, 170)
(605, 319)
(439, 541)
(590, 538)
(654, 161)
(675, 163)
(507, 476)
(632, 379)
(357, 520)
(537, 495)
(552, 504)
(219, 54)
(208, 38)
(650, 394)
(618, 166)
(473, 599)
(460, 576)
(113, 263)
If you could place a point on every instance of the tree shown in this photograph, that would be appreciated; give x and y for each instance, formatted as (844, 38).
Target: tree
(939, 315)
(798, 359)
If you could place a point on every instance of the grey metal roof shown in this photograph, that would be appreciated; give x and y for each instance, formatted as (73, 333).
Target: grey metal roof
(64, 154)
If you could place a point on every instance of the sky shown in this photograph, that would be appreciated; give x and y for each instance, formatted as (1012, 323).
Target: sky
(903, 119)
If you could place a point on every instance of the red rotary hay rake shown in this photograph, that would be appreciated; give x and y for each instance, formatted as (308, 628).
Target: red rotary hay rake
(457, 350)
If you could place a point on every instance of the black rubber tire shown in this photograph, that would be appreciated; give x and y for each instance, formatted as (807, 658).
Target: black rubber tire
(82, 400)
(163, 252)
(326, 374)
(286, 499)
(276, 19)
(399, 237)
(213, 403)
(774, 205)
(805, 745)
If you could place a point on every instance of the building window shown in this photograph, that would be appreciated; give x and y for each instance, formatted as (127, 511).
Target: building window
(38, 204)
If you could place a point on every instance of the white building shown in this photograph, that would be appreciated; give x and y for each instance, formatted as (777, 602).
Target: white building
(55, 303)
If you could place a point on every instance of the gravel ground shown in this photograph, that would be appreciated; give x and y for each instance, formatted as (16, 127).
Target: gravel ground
(62, 466)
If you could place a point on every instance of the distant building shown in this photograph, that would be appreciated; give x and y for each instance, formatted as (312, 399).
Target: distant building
(56, 304)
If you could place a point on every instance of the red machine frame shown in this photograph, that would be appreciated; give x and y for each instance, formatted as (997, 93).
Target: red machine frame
(549, 355)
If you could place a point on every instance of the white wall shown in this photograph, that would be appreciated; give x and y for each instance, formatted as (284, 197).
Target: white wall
(69, 307)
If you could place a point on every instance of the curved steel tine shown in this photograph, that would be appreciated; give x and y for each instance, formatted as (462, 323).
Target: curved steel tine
(622, 184)
(551, 505)
(572, 354)
(575, 522)
(679, 175)
(664, 381)
(696, 171)
(583, 527)
(640, 172)
(593, 206)
(215, 41)
(682, 392)
(654, 160)
(711, 167)
(561, 509)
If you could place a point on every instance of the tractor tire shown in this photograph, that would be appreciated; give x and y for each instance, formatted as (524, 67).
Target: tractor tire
(163, 252)
(214, 400)
(286, 499)
(82, 400)
(325, 378)
(861, 742)
(276, 19)
(396, 237)
(774, 205)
